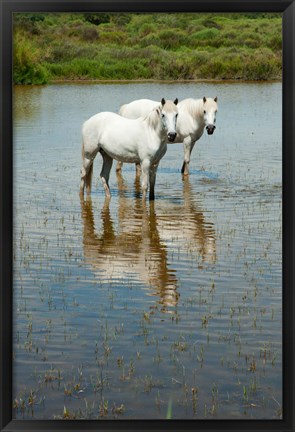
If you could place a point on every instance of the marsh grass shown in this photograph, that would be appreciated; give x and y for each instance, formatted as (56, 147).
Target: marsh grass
(27, 67)
(142, 46)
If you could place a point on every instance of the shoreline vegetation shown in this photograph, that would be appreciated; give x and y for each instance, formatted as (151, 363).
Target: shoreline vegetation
(144, 81)
(124, 47)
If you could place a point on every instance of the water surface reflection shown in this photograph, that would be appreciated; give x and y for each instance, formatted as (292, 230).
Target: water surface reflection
(184, 222)
(137, 251)
(150, 300)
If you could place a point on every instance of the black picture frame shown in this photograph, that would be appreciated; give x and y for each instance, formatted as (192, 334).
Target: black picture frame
(7, 7)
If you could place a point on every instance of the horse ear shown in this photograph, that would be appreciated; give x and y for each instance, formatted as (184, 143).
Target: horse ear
(176, 101)
(204, 99)
(215, 99)
(163, 101)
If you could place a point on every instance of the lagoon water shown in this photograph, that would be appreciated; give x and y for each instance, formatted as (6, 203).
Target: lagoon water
(170, 309)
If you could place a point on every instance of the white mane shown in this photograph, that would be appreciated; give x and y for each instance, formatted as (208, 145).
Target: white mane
(153, 117)
(194, 107)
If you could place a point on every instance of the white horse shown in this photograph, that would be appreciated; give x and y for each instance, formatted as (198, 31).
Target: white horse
(194, 116)
(142, 141)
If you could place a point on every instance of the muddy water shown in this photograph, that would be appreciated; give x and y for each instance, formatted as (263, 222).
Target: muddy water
(135, 310)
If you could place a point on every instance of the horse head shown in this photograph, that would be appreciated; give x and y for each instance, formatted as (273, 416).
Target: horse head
(169, 113)
(210, 110)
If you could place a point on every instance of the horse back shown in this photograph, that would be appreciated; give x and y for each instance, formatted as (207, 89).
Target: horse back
(138, 108)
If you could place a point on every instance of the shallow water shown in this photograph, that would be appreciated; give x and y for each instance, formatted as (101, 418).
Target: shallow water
(148, 310)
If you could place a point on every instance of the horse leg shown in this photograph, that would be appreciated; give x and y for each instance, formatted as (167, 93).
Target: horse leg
(119, 167)
(86, 176)
(145, 169)
(153, 173)
(187, 153)
(187, 147)
(105, 172)
(138, 169)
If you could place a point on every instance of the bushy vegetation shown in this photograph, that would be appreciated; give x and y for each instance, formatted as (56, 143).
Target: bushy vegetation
(28, 68)
(146, 46)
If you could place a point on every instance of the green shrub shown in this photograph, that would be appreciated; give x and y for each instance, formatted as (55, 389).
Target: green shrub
(275, 42)
(98, 69)
(120, 19)
(206, 34)
(214, 68)
(194, 28)
(159, 45)
(63, 52)
(147, 29)
(251, 42)
(166, 39)
(89, 34)
(29, 22)
(205, 37)
(263, 65)
(210, 23)
(199, 58)
(111, 37)
(24, 19)
(27, 68)
(97, 18)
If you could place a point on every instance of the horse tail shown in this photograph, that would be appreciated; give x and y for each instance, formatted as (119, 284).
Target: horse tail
(88, 179)
(83, 151)
(86, 173)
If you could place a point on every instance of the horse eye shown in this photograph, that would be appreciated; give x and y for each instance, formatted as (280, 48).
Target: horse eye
(163, 115)
(204, 112)
(176, 115)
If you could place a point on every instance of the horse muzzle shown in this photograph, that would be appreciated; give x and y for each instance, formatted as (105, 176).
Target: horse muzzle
(171, 136)
(210, 129)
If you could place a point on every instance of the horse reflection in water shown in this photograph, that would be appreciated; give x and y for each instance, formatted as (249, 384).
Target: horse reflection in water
(137, 251)
(184, 227)
(133, 253)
